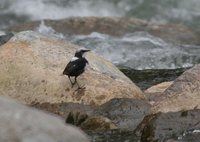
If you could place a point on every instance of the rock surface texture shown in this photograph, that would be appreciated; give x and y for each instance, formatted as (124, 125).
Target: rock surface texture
(23, 124)
(153, 93)
(31, 71)
(159, 88)
(118, 113)
(125, 113)
(183, 94)
(171, 126)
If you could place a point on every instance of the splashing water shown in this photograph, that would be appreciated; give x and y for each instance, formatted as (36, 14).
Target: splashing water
(140, 50)
(57, 9)
(48, 31)
(19, 11)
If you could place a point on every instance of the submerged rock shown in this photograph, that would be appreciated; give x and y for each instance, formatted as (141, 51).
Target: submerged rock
(116, 26)
(183, 94)
(32, 64)
(21, 123)
(169, 126)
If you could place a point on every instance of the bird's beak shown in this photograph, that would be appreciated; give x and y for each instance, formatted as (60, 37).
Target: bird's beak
(87, 50)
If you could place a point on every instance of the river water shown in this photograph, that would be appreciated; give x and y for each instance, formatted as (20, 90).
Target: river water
(138, 50)
(162, 11)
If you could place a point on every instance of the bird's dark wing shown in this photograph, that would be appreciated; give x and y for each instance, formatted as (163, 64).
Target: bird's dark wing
(71, 66)
(74, 66)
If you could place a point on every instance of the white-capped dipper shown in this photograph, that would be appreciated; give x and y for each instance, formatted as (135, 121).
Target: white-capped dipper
(76, 66)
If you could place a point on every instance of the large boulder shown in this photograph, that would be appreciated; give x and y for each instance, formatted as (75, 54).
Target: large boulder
(31, 71)
(117, 26)
(183, 94)
(21, 123)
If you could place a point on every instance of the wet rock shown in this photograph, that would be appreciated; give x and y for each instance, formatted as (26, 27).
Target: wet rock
(21, 123)
(183, 94)
(150, 77)
(168, 126)
(31, 71)
(5, 38)
(190, 136)
(124, 113)
(174, 33)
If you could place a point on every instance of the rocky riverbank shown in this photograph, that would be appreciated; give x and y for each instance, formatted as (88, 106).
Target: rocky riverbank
(111, 104)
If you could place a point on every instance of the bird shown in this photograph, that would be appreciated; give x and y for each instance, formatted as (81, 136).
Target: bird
(76, 66)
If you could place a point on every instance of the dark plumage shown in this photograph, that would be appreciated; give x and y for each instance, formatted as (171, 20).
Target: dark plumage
(76, 66)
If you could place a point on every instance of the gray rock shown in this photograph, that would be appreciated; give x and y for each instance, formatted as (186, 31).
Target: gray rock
(122, 114)
(23, 124)
(125, 113)
(183, 94)
(190, 136)
(169, 126)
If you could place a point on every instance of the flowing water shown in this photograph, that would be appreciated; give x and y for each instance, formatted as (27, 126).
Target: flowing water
(162, 11)
(146, 59)
(140, 50)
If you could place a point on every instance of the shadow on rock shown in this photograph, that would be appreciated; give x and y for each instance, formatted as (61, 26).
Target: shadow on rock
(5, 38)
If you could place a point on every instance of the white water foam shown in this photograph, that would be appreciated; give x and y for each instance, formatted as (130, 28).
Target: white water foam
(140, 50)
(58, 9)
(48, 31)
(2, 33)
(195, 131)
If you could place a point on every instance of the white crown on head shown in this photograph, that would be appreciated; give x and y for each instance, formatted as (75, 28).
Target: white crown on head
(82, 48)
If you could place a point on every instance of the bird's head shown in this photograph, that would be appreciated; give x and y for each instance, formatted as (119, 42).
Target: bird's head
(80, 52)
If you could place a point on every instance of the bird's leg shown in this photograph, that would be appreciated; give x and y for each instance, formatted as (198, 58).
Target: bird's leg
(79, 87)
(71, 81)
